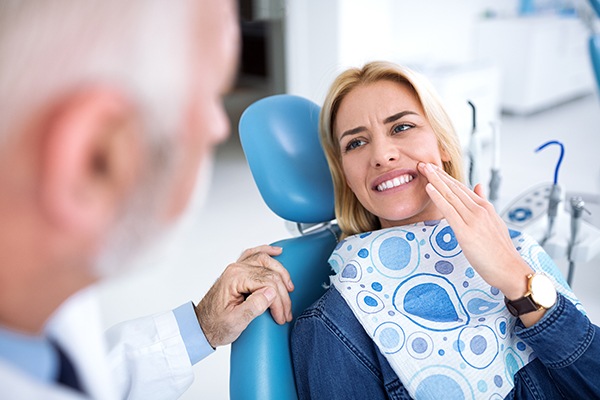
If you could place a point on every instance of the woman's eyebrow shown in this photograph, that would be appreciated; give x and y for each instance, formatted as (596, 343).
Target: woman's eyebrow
(352, 131)
(396, 117)
(388, 120)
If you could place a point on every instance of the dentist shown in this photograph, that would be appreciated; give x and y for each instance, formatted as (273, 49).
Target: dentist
(108, 109)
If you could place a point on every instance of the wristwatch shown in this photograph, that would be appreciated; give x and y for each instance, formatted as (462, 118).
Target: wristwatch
(541, 294)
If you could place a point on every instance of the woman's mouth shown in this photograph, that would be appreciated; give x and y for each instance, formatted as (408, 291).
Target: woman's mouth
(395, 182)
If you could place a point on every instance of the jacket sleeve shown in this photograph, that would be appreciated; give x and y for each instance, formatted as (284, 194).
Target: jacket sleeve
(148, 357)
(568, 344)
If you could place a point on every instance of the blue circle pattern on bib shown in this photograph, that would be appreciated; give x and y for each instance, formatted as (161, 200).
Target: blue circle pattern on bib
(415, 293)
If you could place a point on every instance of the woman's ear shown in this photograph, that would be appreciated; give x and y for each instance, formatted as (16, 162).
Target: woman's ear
(91, 154)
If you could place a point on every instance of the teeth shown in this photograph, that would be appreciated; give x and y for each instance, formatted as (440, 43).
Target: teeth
(401, 180)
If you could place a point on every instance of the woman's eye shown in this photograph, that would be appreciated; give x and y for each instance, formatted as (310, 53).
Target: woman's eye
(401, 128)
(354, 143)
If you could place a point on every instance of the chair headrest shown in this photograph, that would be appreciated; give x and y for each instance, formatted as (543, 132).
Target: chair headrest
(280, 138)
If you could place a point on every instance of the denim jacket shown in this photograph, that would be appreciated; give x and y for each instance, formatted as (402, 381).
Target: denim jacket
(334, 358)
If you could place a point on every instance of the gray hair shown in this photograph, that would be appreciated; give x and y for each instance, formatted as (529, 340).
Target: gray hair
(50, 47)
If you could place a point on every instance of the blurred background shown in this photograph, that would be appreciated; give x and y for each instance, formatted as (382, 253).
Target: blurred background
(523, 64)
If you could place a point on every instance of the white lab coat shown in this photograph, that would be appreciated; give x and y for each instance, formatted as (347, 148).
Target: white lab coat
(140, 359)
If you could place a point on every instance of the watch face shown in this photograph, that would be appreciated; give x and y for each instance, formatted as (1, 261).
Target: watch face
(543, 291)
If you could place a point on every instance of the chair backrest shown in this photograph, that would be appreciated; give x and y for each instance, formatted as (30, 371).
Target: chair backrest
(279, 136)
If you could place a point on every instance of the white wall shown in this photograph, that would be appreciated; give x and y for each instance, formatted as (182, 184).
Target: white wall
(312, 46)
(324, 37)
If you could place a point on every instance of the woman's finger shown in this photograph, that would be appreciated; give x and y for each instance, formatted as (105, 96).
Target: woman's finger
(478, 198)
(447, 194)
(447, 209)
(467, 196)
(478, 189)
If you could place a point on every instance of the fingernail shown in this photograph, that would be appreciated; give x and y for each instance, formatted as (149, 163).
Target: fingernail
(270, 294)
(430, 167)
(290, 285)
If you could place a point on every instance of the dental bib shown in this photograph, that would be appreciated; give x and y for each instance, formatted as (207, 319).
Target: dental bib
(446, 332)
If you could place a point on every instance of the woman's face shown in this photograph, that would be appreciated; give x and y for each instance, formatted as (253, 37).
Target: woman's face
(383, 134)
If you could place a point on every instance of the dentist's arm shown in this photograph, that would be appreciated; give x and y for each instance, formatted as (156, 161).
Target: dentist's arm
(152, 357)
(246, 289)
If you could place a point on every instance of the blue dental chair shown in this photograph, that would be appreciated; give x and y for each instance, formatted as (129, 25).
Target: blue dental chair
(279, 136)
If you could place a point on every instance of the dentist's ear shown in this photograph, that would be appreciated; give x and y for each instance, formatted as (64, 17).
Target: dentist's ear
(91, 156)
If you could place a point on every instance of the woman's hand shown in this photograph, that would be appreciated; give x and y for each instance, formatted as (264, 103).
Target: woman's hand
(480, 231)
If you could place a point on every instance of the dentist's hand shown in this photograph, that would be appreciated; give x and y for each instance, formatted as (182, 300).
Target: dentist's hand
(480, 231)
(243, 292)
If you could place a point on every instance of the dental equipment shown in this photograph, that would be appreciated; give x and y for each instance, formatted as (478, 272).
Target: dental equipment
(474, 150)
(555, 193)
(579, 244)
(577, 208)
(495, 177)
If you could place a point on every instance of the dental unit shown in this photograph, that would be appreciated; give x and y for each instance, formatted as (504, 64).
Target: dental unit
(474, 149)
(554, 198)
(495, 178)
(577, 208)
(538, 212)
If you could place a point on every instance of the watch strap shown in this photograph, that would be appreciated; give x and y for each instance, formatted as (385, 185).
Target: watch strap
(521, 306)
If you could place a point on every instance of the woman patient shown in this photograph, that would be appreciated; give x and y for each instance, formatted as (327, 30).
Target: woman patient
(433, 297)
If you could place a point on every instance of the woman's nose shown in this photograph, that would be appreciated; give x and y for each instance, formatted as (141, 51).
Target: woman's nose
(383, 153)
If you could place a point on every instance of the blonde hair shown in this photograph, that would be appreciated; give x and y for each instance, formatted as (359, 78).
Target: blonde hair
(351, 216)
